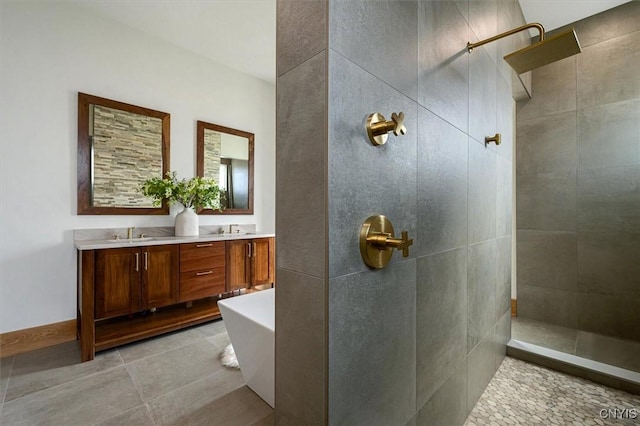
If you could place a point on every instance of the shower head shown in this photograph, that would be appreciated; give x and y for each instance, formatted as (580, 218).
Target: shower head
(543, 52)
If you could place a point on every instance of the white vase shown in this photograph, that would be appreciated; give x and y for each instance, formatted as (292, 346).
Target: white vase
(187, 223)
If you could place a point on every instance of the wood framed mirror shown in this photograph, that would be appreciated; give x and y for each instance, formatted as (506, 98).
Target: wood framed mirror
(119, 147)
(226, 155)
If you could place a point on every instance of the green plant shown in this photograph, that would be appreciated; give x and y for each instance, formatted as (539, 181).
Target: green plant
(193, 193)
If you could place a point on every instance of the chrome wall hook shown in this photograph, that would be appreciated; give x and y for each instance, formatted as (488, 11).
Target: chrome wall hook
(378, 127)
(495, 139)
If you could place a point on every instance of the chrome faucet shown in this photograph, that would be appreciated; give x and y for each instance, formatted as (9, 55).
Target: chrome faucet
(130, 232)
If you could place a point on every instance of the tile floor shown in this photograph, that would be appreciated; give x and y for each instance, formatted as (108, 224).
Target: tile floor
(175, 379)
(526, 394)
(609, 350)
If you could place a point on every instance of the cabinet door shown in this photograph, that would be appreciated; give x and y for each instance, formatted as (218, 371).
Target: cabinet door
(262, 265)
(117, 284)
(238, 265)
(159, 276)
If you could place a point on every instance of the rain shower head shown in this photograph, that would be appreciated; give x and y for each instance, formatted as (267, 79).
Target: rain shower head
(543, 52)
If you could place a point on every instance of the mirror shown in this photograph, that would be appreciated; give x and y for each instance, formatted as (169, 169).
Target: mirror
(226, 155)
(119, 147)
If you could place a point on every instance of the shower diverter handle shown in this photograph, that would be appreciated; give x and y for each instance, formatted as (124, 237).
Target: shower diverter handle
(387, 242)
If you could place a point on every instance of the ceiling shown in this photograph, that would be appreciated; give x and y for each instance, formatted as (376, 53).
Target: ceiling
(241, 33)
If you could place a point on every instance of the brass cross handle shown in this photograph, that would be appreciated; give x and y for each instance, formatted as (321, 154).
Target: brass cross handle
(387, 242)
(377, 242)
(495, 139)
(378, 127)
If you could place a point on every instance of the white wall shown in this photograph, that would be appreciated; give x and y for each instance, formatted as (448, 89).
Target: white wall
(49, 52)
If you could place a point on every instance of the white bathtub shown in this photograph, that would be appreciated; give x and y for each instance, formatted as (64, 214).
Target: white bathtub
(250, 322)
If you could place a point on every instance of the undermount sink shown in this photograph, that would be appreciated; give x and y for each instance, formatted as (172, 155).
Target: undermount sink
(129, 240)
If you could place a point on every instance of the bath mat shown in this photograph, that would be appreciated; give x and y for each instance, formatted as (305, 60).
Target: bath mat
(228, 357)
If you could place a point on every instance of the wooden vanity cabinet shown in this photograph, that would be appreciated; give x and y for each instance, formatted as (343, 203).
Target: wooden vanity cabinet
(250, 263)
(118, 286)
(129, 280)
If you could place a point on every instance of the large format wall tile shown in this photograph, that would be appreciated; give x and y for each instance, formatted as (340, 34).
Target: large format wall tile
(504, 197)
(547, 144)
(372, 356)
(365, 179)
(606, 25)
(300, 349)
(608, 135)
(502, 337)
(448, 406)
(380, 36)
(481, 292)
(481, 365)
(611, 315)
(300, 169)
(548, 259)
(548, 305)
(482, 192)
(547, 201)
(608, 71)
(442, 185)
(482, 94)
(609, 199)
(443, 68)
(505, 118)
(503, 276)
(554, 89)
(441, 319)
(301, 32)
(483, 23)
(609, 263)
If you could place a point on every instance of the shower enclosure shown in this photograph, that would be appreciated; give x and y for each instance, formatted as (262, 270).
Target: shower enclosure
(578, 197)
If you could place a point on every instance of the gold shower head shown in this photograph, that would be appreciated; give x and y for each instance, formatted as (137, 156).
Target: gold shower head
(543, 52)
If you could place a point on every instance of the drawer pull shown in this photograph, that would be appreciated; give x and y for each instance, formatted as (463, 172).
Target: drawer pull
(204, 273)
(204, 245)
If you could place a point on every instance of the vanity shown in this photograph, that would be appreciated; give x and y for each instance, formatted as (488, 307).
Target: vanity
(137, 287)
(132, 289)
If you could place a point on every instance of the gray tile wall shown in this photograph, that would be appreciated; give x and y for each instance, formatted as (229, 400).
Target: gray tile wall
(578, 183)
(301, 252)
(401, 342)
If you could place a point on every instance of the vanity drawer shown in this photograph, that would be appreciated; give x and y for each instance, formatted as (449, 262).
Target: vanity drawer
(204, 283)
(201, 256)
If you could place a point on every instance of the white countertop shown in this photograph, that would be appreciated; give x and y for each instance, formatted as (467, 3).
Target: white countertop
(156, 241)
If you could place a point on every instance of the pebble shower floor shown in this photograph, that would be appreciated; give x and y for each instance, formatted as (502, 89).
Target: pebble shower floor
(526, 394)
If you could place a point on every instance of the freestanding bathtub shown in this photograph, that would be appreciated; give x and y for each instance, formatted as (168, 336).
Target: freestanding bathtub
(250, 322)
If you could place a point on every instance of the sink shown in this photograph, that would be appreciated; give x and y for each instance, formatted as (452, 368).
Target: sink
(127, 240)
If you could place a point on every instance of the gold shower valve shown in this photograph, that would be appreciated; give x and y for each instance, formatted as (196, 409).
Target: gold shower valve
(378, 127)
(496, 139)
(377, 242)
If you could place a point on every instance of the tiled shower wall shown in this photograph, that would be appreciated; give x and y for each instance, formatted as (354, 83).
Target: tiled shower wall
(578, 183)
(418, 341)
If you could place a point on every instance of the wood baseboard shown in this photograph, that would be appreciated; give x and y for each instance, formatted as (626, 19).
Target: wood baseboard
(16, 342)
(514, 307)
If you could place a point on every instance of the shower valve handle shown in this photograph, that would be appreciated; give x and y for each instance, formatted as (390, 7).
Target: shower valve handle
(378, 127)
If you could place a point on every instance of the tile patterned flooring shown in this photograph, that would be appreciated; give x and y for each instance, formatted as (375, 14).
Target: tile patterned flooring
(175, 379)
(526, 394)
